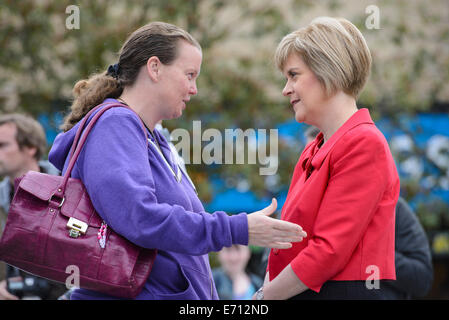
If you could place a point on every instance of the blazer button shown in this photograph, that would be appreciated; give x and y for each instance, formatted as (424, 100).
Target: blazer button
(275, 252)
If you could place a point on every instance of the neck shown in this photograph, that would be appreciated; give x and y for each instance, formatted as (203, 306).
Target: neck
(138, 100)
(33, 166)
(240, 283)
(239, 276)
(338, 110)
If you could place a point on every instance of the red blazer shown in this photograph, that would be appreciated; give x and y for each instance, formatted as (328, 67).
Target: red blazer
(343, 194)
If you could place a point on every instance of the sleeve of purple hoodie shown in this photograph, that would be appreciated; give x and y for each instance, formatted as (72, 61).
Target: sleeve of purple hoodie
(114, 167)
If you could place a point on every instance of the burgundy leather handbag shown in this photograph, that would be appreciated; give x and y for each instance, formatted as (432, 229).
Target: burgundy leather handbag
(53, 231)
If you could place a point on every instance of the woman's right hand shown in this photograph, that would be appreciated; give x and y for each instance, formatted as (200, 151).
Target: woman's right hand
(272, 233)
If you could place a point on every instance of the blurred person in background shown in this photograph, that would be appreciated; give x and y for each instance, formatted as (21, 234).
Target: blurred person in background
(22, 146)
(345, 185)
(413, 257)
(233, 279)
(311, 133)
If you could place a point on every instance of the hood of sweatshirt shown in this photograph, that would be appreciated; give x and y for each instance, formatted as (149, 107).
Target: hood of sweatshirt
(61, 147)
(63, 143)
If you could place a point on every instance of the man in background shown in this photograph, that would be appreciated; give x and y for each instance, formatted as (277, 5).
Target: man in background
(22, 146)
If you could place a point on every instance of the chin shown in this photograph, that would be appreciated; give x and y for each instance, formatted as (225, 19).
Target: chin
(177, 115)
(300, 118)
(173, 115)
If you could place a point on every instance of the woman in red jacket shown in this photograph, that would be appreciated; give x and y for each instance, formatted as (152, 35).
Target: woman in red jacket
(345, 185)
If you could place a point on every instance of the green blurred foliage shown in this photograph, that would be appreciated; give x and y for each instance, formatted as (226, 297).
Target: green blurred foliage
(239, 87)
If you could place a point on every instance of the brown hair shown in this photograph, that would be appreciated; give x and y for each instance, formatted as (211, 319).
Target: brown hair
(29, 132)
(334, 49)
(158, 39)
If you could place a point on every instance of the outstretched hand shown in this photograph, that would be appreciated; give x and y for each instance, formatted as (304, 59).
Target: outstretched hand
(272, 233)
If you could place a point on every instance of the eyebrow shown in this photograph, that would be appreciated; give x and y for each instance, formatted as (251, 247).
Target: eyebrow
(292, 69)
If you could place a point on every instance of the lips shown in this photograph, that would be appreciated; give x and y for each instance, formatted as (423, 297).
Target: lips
(293, 102)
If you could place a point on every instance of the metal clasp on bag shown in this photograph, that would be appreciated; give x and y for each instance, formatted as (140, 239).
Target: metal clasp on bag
(76, 227)
(60, 204)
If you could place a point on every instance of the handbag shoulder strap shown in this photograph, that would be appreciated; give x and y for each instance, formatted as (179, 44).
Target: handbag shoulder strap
(77, 146)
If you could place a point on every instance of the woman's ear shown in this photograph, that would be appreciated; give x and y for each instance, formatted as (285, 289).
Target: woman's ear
(154, 68)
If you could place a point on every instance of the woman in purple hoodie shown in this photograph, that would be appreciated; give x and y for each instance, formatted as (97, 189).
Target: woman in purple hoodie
(136, 187)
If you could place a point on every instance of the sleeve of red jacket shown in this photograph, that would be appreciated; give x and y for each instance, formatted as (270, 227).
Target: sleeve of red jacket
(356, 184)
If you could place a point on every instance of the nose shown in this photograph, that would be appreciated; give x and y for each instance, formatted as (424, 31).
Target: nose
(193, 89)
(287, 89)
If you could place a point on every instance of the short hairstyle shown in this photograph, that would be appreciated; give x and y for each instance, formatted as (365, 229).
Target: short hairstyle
(334, 49)
(30, 133)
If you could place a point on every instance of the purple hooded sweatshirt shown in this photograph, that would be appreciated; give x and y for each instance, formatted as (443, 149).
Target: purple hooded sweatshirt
(138, 196)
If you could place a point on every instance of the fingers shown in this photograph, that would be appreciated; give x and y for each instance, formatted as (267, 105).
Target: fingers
(289, 228)
(269, 210)
(273, 238)
(282, 242)
(281, 245)
(291, 232)
(293, 235)
(4, 294)
(269, 232)
(287, 238)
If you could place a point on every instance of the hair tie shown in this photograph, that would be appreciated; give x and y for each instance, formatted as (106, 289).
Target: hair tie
(113, 71)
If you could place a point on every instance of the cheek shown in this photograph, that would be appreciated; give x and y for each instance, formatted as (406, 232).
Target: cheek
(11, 153)
(316, 87)
(10, 159)
(314, 92)
(186, 86)
(178, 89)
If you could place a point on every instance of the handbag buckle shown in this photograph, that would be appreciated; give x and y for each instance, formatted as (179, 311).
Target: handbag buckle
(76, 227)
(60, 204)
